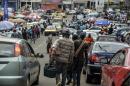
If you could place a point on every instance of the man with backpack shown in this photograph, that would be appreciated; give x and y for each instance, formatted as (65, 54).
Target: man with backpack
(63, 51)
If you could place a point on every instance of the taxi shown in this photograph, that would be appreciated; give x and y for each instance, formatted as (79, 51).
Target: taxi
(50, 30)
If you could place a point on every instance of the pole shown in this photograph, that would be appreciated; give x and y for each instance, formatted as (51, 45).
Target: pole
(31, 4)
(5, 4)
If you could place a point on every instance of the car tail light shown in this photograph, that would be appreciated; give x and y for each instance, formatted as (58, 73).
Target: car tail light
(17, 50)
(94, 58)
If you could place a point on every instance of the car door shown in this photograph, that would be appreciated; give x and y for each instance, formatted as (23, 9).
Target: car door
(29, 61)
(114, 70)
(36, 64)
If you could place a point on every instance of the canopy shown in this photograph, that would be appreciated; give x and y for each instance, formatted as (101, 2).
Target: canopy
(103, 22)
(6, 25)
(17, 20)
(33, 16)
(19, 16)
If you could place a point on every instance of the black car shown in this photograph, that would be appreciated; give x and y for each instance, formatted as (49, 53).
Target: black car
(97, 55)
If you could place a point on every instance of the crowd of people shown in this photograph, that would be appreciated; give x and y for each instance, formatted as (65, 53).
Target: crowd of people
(69, 56)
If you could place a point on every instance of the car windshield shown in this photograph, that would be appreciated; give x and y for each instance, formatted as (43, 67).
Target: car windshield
(6, 49)
(108, 47)
(105, 38)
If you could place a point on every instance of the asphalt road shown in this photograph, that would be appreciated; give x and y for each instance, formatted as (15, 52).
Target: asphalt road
(40, 47)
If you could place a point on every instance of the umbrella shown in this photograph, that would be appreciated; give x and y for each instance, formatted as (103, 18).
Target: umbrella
(6, 25)
(19, 16)
(17, 20)
(33, 16)
(103, 22)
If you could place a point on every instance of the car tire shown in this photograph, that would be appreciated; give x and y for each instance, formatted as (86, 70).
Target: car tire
(127, 38)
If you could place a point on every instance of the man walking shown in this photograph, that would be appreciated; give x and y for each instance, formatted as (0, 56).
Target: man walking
(64, 51)
(79, 58)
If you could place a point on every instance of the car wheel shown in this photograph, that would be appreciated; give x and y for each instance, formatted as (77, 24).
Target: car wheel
(127, 38)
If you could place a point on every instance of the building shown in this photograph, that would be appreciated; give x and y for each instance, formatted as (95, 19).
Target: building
(12, 4)
(80, 3)
(51, 4)
(34, 4)
(67, 4)
(98, 5)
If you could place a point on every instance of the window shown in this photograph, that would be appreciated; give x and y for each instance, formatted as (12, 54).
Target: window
(26, 51)
(118, 59)
(7, 49)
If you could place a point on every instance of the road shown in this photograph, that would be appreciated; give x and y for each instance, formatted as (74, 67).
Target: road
(40, 47)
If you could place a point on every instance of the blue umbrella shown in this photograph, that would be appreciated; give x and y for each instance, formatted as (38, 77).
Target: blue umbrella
(6, 25)
(103, 22)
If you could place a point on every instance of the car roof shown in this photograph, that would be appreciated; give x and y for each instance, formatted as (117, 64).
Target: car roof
(11, 40)
(106, 36)
(119, 43)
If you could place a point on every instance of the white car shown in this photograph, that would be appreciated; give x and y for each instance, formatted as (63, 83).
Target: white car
(93, 34)
(72, 11)
(94, 29)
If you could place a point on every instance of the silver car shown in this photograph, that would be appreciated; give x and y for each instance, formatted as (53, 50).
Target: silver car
(18, 63)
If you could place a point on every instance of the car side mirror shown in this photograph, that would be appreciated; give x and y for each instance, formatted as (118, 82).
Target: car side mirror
(38, 55)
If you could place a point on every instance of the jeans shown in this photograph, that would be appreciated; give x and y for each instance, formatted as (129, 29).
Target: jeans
(77, 77)
(62, 70)
(77, 69)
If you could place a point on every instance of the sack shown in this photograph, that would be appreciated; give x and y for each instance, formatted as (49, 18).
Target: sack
(50, 70)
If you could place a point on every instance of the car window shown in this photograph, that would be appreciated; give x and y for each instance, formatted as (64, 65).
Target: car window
(26, 51)
(7, 49)
(30, 48)
(118, 59)
(108, 47)
(105, 38)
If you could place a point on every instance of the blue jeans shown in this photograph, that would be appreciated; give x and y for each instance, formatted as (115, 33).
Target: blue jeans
(61, 69)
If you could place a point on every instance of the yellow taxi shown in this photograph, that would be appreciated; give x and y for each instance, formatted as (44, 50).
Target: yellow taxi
(51, 30)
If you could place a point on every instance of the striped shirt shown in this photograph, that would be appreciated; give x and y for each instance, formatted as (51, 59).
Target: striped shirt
(65, 48)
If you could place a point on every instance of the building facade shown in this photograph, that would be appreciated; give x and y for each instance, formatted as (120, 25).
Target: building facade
(98, 5)
(34, 4)
(12, 4)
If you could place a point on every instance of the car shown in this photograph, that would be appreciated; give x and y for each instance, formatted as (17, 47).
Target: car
(72, 31)
(97, 54)
(93, 34)
(119, 26)
(9, 34)
(94, 29)
(71, 12)
(117, 71)
(19, 65)
(107, 38)
(57, 25)
(120, 32)
(51, 30)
